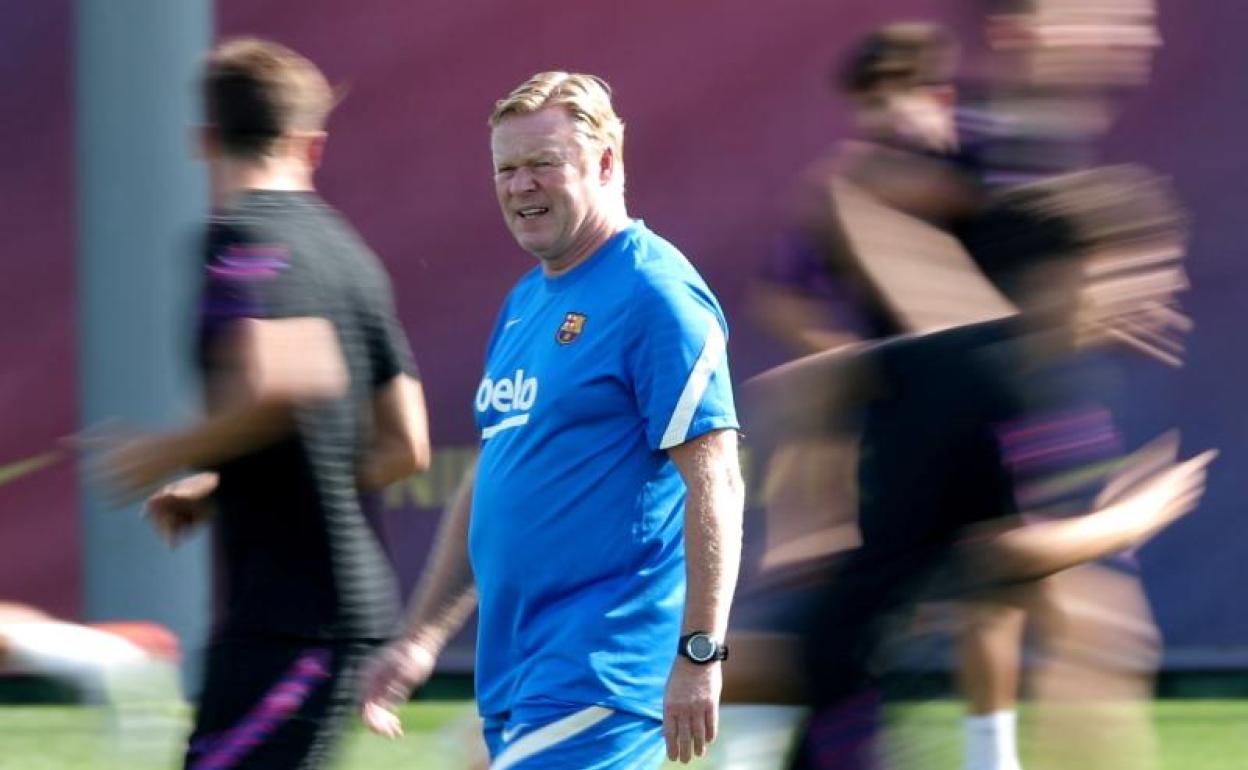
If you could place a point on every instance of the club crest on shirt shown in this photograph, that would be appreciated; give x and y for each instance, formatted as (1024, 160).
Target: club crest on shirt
(571, 328)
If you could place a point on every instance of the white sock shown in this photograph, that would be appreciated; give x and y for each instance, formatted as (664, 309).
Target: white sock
(992, 742)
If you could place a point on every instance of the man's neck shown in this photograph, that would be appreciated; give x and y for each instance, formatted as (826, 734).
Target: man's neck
(611, 224)
(231, 178)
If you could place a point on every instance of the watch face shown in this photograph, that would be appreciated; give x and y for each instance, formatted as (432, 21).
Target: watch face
(701, 648)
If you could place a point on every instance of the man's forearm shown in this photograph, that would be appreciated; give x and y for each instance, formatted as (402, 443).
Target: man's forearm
(1041, 548)
(445, 596)
(713, 520)
(400, 446)
(713, 557)
(279, 364)
(385, 464)
(230, 433)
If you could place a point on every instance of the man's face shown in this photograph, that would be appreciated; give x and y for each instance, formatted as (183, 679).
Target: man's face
(923, 118)
(548, 182)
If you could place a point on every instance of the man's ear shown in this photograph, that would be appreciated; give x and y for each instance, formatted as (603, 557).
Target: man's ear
(314, 148)
(606, 165)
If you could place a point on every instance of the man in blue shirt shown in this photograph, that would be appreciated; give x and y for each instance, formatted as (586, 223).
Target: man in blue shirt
(604, 525)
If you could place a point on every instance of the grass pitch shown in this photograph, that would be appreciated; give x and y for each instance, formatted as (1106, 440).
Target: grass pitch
(1192, 735)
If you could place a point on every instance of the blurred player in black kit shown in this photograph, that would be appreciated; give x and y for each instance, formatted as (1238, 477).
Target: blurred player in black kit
(312, 402)
(1087, 257)
(967, 428)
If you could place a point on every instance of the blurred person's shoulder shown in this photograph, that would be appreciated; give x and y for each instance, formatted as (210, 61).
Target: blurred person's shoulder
(810, 201)
(258, 216)
(966, 359)
(242, 245)
(277, 249)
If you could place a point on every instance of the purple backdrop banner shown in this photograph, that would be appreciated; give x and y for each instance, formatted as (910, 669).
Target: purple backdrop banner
(39, 554)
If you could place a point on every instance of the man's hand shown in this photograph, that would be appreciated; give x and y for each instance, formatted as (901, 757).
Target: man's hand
(691, 708)
(1165, 496)
(389, 679)
(1149, 494)
(129, 465)
(178, 508)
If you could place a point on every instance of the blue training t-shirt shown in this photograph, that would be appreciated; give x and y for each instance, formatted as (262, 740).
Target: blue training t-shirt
(577, 534)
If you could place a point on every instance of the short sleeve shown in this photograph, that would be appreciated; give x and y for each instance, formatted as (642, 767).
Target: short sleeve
(679, 363)
(389, 352)
(244, 277)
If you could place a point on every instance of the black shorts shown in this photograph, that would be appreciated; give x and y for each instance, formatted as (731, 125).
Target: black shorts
(870, 596)
(276, 704)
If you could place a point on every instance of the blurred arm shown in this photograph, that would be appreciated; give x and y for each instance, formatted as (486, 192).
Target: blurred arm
(446, 594)
(281, 364)
(441, 603)
(400, 445)
(1035, 550)
(269, 367)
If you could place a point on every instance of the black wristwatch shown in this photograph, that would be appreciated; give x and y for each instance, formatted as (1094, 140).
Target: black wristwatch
(702, 648)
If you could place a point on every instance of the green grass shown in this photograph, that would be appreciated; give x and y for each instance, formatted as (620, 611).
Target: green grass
(1192, 735)
(1189, 735)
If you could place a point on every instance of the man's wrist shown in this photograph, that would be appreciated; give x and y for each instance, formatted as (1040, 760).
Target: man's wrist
(702, 648)
(181, 451)
(426, 639)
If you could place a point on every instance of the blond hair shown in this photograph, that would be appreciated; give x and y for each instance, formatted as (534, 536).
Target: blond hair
(586, 99)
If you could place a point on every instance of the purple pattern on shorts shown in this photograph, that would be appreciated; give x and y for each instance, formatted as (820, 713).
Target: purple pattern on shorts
(278, 704)
(842, 737)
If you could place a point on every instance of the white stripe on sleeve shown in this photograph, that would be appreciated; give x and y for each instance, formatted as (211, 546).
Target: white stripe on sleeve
(695, 386)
